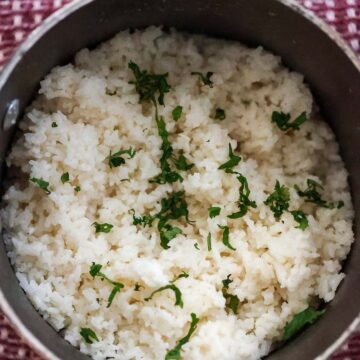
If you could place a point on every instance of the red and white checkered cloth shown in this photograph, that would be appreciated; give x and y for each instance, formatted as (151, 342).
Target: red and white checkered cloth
(19, 17)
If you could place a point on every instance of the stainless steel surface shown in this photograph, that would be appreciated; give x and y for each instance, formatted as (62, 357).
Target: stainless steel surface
(305, 45)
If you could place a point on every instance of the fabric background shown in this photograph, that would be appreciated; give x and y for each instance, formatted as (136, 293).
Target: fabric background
(19, 17)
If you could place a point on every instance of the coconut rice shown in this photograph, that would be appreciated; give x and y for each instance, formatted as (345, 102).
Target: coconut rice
(88, 108)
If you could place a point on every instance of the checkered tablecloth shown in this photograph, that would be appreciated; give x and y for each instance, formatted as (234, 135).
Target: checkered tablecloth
(19, 17)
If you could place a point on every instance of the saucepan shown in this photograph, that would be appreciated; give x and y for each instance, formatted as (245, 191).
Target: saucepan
(305, 45)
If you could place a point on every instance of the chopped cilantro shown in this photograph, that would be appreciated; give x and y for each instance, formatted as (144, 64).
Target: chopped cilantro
(181, 162)
(208, 240)
(145, 220)
(172, 208)
(167, 233)
(312, 195)
(282, 120)
(205, 78)
(214, 211)
(167, 175)
(88, 335)
(174, 354)
(244, 202)
(233, 161)
(232, 301)
(220, 114)
(105, 228)
(176, 113)
(174, 288)
(148, 85)
(300, 320)
(300, 217)
(196, 246)
(225, 237)
(95, 270)
(65, 177)
(116, 160)
(77, 188)
(42, 184)
(54, 124)
(278, 201)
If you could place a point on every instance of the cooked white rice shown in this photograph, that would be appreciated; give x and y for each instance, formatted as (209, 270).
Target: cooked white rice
(277, 269)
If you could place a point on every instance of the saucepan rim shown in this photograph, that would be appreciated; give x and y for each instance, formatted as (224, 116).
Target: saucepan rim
(41, 30)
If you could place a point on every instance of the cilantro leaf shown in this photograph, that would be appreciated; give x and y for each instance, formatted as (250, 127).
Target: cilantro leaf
(149, 85)
(220, 114)
(174, 288)
(208, 239)
(116, 160)
(196, 246)
(174, 354)
(232, 301)
(300, 217)
(167, 233)
(42, 184)
(225, 237)
(54, 124)
(176, 113)
(205, 78)
(95, 271)
(282, 120)
(166, 175)
(300, 320)
(181, 163)
(181, 275)
(278, 201)
(312, 195)
(214, 211)
(77, 188)
(233, 161)
(105, 228)
(244, 202)
(88, 335)
(65, 177)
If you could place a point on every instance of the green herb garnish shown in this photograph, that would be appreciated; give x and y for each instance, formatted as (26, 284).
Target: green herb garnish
(196, 246)
(105, 228)
(214, 211)
(174, 354)
(77, 188)
(282, 120)
(225, 237)
(167, 175)
(300, 320)
(54, 124)
(176, 113)
(181, 162)
(205, 78)
(65, 177)
(149, 85)
(42, 184)
(172, 208)
(116, 159)
(278, 201)
(300, 217)
(88, 335)
(220, 114)
(233, 161)
(208, 240)
(312, 195)
(174, 288)
(244, 202)
(95, 270)
(232, 301)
